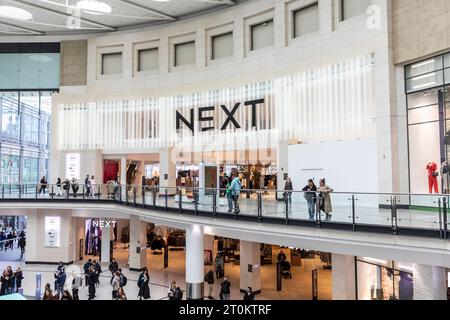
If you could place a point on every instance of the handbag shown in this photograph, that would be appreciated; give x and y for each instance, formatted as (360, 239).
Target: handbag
(435, 174)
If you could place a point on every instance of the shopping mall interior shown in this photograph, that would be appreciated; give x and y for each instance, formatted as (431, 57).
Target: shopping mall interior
(295, 149)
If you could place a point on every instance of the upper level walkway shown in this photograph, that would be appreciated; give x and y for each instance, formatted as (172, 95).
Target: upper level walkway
(374, 225)
(397, 214)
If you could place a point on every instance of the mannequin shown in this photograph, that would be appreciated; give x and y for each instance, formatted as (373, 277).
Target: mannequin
(432, 177)
(444, 175)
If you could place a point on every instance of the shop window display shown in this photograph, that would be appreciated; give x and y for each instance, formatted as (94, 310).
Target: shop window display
(428, 102)
(383, 280)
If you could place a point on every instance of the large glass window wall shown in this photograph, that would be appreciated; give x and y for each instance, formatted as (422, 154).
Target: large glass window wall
(29, 75)
(25, 138)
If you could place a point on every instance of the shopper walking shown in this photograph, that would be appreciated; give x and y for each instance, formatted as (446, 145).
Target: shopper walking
(113, 267)
(115, 283)
(228, 194)
(98, 270)
(18, 277)
(325, 199)
(91, 281)
(87, 186)
(310, 197)
(171, 292)
(143, 284)
(87, 268)
(58, 187)
(209, 279)
(249, 295)
(77, 283)
(235, 192)
(60, 282)
(225, 289)
(93, 186)
(288, 190)
(22, 244)
(43, 185)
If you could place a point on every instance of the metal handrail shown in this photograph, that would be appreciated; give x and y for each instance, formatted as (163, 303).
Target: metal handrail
(37, 185)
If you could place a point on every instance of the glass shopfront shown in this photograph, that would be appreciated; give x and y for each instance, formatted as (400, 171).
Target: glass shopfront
(428, 103)
(384, 280)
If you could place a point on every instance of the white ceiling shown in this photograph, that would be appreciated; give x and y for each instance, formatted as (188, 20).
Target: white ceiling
(52, 17)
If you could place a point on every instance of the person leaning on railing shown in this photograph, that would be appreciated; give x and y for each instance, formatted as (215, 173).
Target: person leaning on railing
(310, 197)
(66, 186)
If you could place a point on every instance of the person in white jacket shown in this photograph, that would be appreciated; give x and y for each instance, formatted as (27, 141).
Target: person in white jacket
(93, 186)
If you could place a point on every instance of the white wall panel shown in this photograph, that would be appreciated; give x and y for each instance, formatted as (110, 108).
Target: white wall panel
(329, 103)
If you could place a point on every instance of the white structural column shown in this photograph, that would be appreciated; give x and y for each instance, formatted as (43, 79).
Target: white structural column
(282, 166)
(194, 262)
(105, 244)
(343, 277)
(429, 282)
(138, 242)
(167, 171)
(250, 266)
(123, 170)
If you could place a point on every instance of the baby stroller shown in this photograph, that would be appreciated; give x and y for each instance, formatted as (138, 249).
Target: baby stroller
(286, 270)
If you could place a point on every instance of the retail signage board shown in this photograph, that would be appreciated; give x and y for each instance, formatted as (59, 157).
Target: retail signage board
(52, 232)
(73, 166)
(204, 115)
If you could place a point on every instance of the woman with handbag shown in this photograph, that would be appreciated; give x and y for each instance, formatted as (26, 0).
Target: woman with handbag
(143, 284)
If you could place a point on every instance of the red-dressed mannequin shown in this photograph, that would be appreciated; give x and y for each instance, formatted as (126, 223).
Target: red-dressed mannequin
(432, 177)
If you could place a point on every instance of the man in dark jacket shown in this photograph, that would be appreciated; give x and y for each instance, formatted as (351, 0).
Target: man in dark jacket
(113, 267)
(98, 270)
(288, 190)
(86, 268)
(209, 279)
(91, 281)
(249, 295)
(225, 289)
(22, 244)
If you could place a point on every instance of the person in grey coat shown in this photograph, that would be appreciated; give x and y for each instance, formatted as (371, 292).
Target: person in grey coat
(325, 199)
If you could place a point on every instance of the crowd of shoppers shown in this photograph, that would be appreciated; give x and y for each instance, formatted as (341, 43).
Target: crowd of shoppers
(8, 239)
(10, 281)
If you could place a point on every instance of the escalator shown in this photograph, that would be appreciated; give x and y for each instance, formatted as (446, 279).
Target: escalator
(132, 169)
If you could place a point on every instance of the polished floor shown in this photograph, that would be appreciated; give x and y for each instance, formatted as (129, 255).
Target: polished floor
(297, 288)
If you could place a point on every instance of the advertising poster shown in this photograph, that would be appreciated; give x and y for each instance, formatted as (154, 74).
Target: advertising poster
(52, 232)
(73, 166)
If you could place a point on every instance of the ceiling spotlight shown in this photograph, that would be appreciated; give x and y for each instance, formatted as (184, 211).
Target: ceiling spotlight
(11, 12)
(94, 6)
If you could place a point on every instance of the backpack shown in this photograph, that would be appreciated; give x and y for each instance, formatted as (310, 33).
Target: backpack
(123, 281)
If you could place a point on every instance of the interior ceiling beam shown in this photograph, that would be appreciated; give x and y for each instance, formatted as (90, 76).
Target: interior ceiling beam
(148, 9)
(229, 2)
(30, 31)
(52, 11)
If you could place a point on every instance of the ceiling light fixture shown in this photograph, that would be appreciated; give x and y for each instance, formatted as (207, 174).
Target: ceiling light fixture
(16, 13)
(94, 6)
